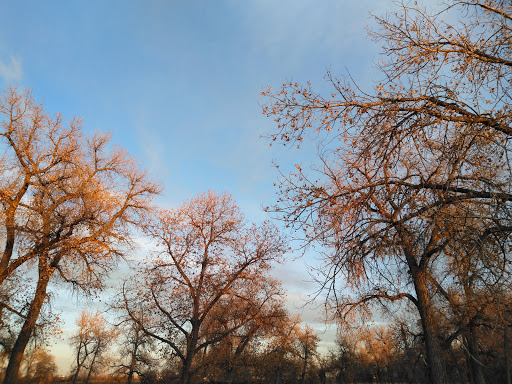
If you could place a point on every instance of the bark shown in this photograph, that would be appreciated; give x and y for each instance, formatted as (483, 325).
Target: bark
(133, 359)
(229, 375)
(9, 247)
(505, 347)
(185, 371)
(435, 361)
(96, 352)
(476, 375)
(186, 374)
(304, 366)
(11, 373)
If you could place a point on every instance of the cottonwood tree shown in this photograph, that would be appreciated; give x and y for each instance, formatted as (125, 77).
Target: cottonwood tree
(208, 259)
(280, 358)
(41, 366)
(136, 347)
(93, 338)
(430, 141)
(68, 202)
(230, 359)
(307, 342)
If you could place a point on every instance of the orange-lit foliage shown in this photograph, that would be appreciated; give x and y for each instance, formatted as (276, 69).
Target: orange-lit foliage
(92, 340)
(67, 202)
(40, 366)
(377, 347)
(209, 279)
(402, 163)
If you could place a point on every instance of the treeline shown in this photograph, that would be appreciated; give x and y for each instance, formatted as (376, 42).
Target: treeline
(286, 352)
(279, 350)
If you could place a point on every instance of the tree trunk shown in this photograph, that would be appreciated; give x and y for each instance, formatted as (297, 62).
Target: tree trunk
(476, 375)
(133, 359)
(75, 378)
(79, 363)
(304, 367)
(11, 373)
(185, 371)
(186, 374)
(91, 367)
(434, 352)
(505, 347)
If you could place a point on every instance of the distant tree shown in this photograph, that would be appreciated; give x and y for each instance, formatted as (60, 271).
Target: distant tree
(231, 359)
(136, 347)
(93, 338)
(287, 352)
(342, 360)
(67, 204)
(42, 367)
(208, 259)
(478, 275)
(307, 342)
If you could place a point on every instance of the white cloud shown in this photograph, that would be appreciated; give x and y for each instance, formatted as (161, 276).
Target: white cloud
(11, 69)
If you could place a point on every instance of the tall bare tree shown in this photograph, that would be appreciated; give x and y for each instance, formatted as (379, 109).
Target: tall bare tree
(431, 141)
(211, 270)
(307, 345)
(68, 202)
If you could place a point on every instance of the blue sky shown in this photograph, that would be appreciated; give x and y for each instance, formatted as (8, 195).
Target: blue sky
(177, 84)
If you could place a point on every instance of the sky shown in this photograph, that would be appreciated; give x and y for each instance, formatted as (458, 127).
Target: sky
(177, 85)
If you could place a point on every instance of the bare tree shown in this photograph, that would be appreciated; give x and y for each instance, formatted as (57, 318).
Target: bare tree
(431, 143)
(307, 341)
(208, 260)
(93, 338)
(136, 347)
(288, 351)
(229, 360)
(67, 204)
(41, 366)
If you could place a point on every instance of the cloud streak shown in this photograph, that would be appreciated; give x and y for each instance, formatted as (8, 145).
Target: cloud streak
(11, 69)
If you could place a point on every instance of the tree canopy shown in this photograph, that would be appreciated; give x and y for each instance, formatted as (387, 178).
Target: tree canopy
(410, 171)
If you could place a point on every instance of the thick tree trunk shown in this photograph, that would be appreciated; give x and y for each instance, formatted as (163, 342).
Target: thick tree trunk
(186, 374)
(435, 361)
(185, 371)
(476, 375)
(131, 370)
(11, 373)
(304, 367)
(10, 234)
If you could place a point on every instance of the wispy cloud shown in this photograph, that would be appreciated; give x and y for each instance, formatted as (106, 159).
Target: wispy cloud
(11, 69)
